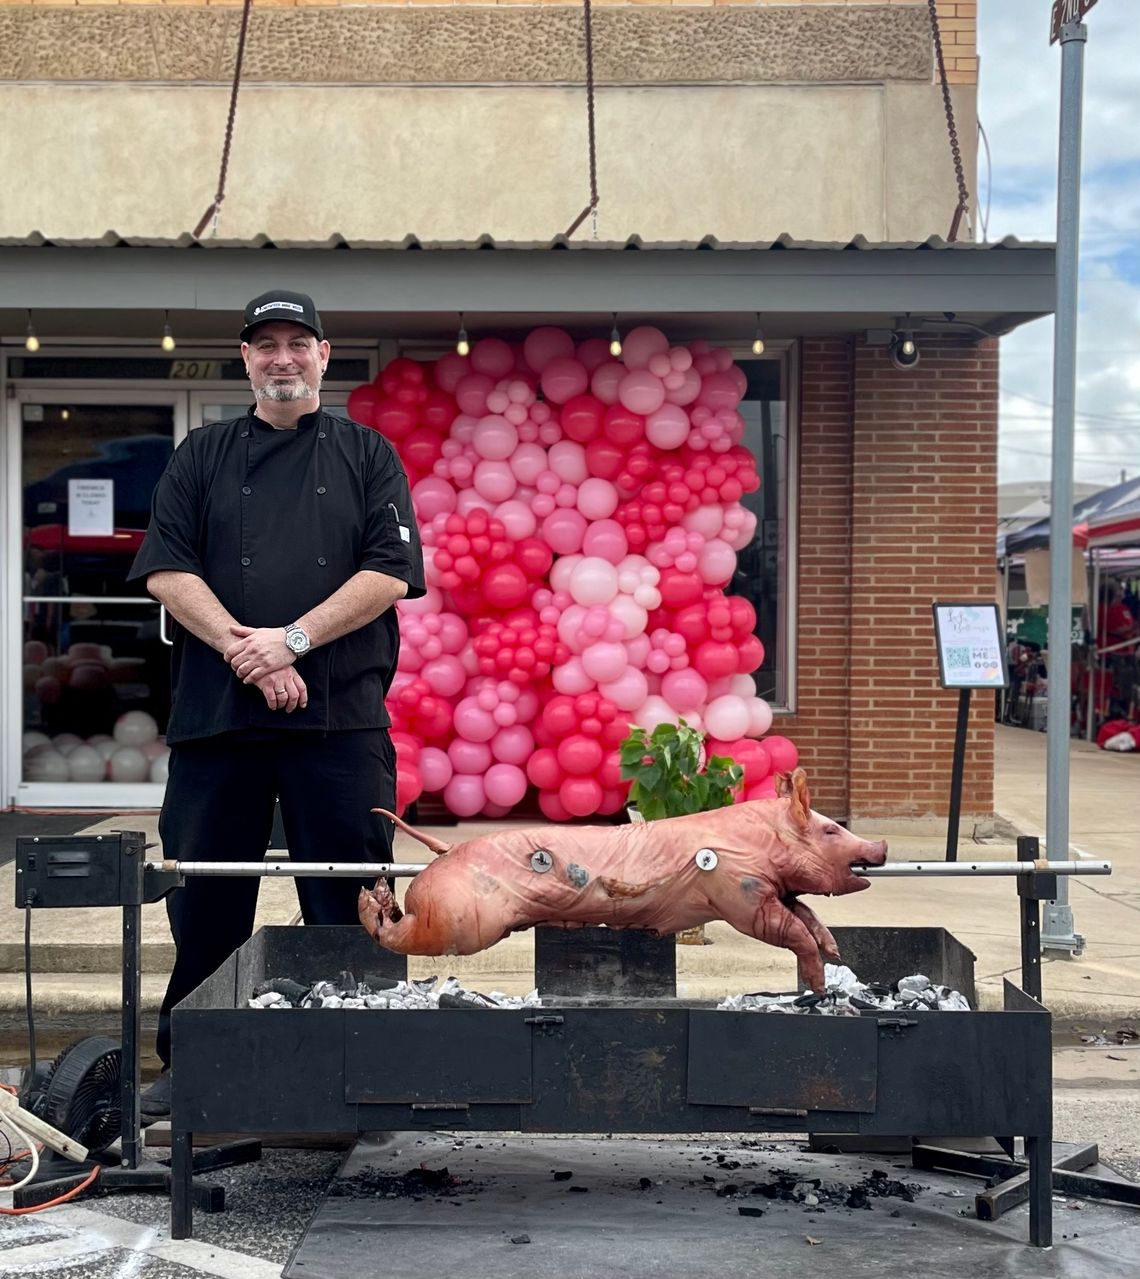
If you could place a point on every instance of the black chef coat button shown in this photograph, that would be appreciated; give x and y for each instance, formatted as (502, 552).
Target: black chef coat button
(246, 561)
(244, 434)
(320, 435)
(321, 561)
(320, 488)
(246, 489)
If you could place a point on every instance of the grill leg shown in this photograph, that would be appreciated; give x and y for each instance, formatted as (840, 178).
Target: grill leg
(181, 1168)
(1039, 1156)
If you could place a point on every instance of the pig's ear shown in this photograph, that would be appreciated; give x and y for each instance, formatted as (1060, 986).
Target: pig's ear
(783, 785)
(801, 799)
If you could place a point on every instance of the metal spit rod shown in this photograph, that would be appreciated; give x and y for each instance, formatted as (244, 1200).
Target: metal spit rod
(398, 870)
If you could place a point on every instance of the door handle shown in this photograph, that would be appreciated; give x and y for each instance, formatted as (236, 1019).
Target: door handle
(162, 635)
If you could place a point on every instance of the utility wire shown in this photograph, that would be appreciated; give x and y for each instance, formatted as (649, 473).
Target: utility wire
(215, 209)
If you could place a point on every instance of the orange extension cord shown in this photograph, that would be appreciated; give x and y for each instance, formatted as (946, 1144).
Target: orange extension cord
(15, 1157)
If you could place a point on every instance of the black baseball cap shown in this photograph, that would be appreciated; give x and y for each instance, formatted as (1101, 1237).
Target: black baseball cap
(278, 304)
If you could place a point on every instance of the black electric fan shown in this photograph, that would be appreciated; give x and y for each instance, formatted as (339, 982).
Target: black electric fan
(80, 1092)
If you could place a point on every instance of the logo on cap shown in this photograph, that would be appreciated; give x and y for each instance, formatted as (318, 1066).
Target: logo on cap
(279, 306)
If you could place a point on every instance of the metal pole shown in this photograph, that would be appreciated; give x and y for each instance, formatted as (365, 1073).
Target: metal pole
(1058, 933)
(958, 768)
(1094, 632)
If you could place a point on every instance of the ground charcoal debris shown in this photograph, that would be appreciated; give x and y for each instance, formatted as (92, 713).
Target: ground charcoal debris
(847, 996)
(381, 993)
(817, 1194)
(416, 1183)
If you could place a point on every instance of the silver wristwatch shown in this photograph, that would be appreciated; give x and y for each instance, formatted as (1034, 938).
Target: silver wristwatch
(297, 640)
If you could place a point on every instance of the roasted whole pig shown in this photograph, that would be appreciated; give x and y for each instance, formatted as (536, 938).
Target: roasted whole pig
(746, 864)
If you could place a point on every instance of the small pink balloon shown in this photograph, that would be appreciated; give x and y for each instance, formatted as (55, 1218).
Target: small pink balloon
(431, 497)
(659, 365)
(528, 462)
(475, 724)
(505, 784)
(640, 345)
(517, 518)
(593, 353)
(469, 500)
(545, 344)
(563, 531)
(469, 757)
(684, 690)
(604, 662)
(513, 745)
(570, 678)
(640, 392)
(493, 357)
(667, 427)
(562, 379)
(494, 481)
(606, 379)
(716, 562)
(606, 540)
(436, 768)
(568, 461)
(628, 691)
(471, 393)
(597, 499)
(494, 438)
(464, 794)
(445, 675)
(687, 390)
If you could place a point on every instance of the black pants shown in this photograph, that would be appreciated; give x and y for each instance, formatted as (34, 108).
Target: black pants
(219, 807)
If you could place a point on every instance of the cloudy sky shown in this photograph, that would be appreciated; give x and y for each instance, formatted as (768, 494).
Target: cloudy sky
(1019, 98)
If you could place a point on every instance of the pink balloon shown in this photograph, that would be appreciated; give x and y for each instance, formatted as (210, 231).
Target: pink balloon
(641, 392)
(727, 717)
(719, 391)
(469, 757)
(606, 379)
(597, 499)
(640, 345)
(528, 462)
(667, 427)
(493, 357)
(684, 690)
(568, 461)
(472, 391)
(593, 353)
(505, 784)
(431, 497)
(605, 539)
(563, 530)
(716, 562)
(765, 790)
(494, 438)
(469, 500)
(604, 662)
(783, 754)
(476, 724)
(628, 691)
(687, 390)
(436, 769)
(631, 615)
(580, 796)
(653, 711)
(445, 675)
(464, 794)
(759, 717)
(450, 370)
(517, 518)
(570, 678)
(513, 745)
(562, 379)
(545, 344)
(593, 581)
(494, 481)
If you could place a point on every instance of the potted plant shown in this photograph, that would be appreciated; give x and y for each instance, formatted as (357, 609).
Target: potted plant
(671, 777)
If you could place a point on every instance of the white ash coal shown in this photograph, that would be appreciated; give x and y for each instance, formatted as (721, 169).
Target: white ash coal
(347, 992)
(847, 996)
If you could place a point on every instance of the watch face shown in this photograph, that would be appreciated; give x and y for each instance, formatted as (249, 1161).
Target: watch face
(297, 641)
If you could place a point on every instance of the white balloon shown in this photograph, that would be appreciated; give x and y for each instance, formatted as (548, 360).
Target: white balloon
(759, 717)
(33, 740)
(65, 743)
(160, 768)
(85, 764)
(106, 746)
(135, 728)
(45, 766)
(129, 764)
(653, 711)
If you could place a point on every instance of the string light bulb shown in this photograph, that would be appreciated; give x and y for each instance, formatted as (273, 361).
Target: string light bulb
(462, 346)
(31, 342)
(908, 347)
(65, 415)
(758, 340)
(168, 342)
(615, 341)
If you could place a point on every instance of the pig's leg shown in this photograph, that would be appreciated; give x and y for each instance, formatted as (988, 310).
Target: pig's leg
(769, 920)
(390, 927)
(818, 929)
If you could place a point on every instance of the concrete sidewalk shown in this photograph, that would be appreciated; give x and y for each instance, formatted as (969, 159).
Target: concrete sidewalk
(76, 954)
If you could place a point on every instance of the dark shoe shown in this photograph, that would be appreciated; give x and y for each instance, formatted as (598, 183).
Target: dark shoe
(154, 1103)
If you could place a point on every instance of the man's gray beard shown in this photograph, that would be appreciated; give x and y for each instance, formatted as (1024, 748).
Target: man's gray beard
(285, 393)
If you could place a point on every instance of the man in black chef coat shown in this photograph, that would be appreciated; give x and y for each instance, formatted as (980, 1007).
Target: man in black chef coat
(279, 542)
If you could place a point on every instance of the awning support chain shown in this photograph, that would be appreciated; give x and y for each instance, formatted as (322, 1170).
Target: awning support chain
(215, 209)
(951, 127)
(592, 207)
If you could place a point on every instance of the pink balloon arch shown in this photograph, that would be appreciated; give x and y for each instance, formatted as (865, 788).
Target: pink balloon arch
(581, 518)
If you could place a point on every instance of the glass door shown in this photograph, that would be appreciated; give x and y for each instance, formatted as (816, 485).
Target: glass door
(91, 667)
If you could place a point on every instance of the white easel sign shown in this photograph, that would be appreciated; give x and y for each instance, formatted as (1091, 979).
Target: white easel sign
(90, 508)
(971, 648)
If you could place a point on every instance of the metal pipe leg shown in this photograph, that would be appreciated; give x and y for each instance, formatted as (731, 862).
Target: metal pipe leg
(1039, 1157)
(181, 1172)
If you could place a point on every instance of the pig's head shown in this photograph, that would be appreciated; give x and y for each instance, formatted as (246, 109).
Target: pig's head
(817, 854)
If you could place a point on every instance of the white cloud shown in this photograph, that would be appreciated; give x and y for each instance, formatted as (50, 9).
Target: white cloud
(1019, 102)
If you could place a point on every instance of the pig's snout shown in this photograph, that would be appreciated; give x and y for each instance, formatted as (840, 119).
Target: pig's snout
(873, 853)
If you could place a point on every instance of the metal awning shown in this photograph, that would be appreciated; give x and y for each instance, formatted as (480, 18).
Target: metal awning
(414, 288)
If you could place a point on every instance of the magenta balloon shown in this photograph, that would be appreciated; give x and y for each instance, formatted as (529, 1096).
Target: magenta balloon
(445, 675)
(719, 391)
(641, 392)
(605, 381)
(667, 427)
(604, 662)
(472, 391)
(605, 539)
(545, 344)
(494, 481)
(476, 724)
(597, 499)
(464, 794)
(433, 496)
(528, 462)
(469, 757)
(570, 678)
(684, 690)
(494, 438)
(562, 379)
(628, 691)
(493, 357)
(688, 391)
(450, 370)
(517, 518)
(513, 745)
(568, 461)
(640, 345)
(505, 784)
(593, 353)
(716, 562)
(436, 768)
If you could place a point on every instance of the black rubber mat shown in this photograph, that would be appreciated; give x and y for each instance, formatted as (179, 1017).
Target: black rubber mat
(14, 825)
